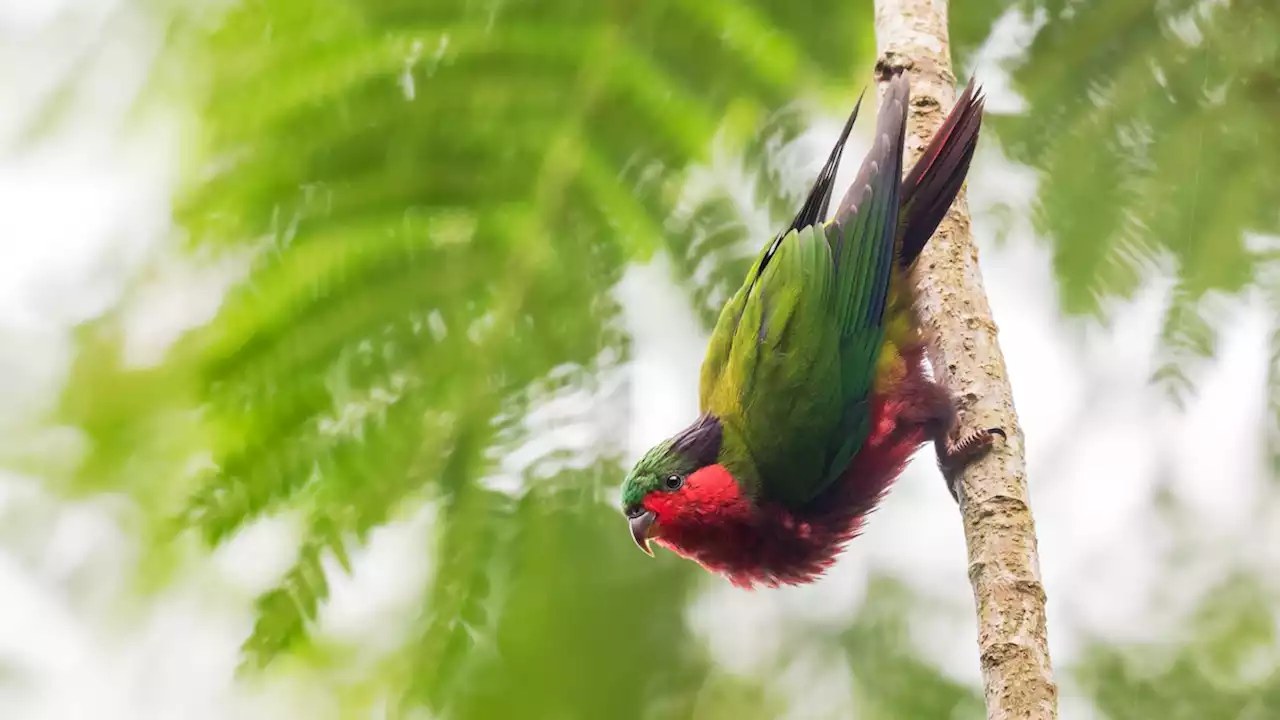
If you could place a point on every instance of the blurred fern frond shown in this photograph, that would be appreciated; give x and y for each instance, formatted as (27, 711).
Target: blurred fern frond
(436, 200)
(1151, 122)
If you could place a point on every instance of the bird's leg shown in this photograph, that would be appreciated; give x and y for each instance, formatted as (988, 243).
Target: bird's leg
(955, 455)
(930, 406)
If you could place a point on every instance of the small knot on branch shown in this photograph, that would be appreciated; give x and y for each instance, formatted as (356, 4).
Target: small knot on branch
(926, 103)
(891, 64)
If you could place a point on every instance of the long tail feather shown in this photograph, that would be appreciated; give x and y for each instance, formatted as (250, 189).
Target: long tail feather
(934, 181)
(862, 245)
(818, 202)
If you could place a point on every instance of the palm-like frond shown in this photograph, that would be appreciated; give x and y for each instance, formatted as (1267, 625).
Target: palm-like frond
(437, 199)
(1152, 123)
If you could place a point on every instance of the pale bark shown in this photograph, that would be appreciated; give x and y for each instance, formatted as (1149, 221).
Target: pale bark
(952, 305)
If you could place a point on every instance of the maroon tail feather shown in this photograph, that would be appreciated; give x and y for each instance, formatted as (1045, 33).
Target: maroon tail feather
(931, 186)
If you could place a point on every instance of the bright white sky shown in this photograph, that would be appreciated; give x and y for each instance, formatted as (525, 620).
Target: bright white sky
(77, 212)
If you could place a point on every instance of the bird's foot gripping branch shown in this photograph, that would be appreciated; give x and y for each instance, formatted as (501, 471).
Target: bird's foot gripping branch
(955, 454)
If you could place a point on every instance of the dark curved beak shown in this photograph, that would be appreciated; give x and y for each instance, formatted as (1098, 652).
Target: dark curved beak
(640, 526)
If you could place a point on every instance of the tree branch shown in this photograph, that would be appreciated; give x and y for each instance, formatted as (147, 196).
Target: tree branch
(952, 306)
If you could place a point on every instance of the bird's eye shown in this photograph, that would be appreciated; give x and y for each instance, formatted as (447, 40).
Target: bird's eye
(674, 482)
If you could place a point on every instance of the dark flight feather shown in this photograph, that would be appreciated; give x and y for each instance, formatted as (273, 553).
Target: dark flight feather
(936, 178)
(818, 202)
(868, 217)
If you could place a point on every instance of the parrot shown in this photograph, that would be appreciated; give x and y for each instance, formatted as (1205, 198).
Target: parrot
(813, 392)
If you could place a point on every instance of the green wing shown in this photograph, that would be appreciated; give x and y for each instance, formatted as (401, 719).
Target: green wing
(792, 360)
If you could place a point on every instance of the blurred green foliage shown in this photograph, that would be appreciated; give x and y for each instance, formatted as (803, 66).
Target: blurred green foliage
(1152, 125)
(1222, 664)
(439, 199)
(436, 200)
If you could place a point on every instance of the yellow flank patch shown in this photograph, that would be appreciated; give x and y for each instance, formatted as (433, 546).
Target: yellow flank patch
(899, 330)
(890, 369)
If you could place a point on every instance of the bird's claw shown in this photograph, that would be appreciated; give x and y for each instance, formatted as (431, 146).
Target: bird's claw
(956, 454)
